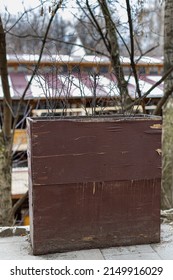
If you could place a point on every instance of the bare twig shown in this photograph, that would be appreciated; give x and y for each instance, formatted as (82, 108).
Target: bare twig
(136, 101)
(36, 66)
(18, 204)
(133, 64)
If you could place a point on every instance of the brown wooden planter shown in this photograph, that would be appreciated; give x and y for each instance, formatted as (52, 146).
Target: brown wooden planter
(94, 182)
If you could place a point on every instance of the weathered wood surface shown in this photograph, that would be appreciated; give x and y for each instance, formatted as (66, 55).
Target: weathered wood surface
(94, 183)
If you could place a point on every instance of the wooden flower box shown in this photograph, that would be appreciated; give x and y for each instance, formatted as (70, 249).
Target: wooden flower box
(93, 182)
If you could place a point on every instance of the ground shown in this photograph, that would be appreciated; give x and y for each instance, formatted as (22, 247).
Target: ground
(17, 246)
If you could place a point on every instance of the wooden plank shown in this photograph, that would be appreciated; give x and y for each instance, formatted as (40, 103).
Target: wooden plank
(95, 215)
(98, 151)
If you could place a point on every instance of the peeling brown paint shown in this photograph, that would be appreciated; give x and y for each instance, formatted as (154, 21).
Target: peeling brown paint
(159, 151)
(156, 126)
(94, 188)
(87, 238)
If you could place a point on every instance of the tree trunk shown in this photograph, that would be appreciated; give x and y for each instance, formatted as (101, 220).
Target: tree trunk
(5, 184)
(167, 156)
(5, 139)
(168, 43)
(7, 104)
(114, 53)
(167, 139)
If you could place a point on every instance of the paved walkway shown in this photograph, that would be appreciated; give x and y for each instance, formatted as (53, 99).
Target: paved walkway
(18, 247)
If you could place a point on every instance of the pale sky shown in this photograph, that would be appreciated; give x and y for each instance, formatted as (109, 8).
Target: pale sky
(15, 6)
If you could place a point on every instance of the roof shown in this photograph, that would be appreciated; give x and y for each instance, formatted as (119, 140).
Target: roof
(54, 80)
(80, 57)
(51, 85)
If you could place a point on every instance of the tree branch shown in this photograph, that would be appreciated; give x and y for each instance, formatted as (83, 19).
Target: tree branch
(133, 65)
(136, 101)
(18, 204)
